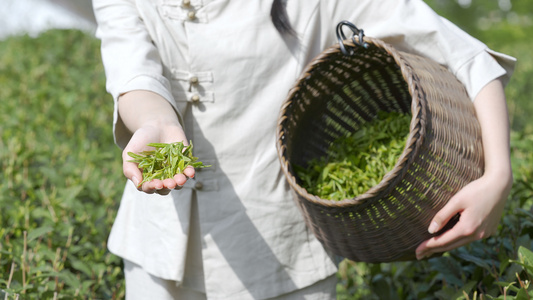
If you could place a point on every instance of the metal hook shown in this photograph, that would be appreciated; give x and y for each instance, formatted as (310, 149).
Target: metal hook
(356, 32)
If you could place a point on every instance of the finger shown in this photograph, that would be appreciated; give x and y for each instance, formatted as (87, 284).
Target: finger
(169, 183)
(189, 172)
(158, 187)
(422, 250)
(152, 186)
(130, 169)
(425, 252)
(132, 172)
(461, 234)
(448, 237)
(444, 215)
(180, 179)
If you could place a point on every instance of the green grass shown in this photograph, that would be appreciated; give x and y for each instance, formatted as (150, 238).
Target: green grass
(61, 173)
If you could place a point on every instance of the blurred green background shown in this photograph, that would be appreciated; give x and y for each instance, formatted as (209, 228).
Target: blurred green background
(61, 177)
(505, 26)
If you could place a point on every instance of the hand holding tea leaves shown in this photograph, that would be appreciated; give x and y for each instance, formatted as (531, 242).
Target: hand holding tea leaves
(165, 161)
(151, 119)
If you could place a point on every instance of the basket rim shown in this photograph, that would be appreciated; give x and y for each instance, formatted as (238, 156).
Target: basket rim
(413, 142)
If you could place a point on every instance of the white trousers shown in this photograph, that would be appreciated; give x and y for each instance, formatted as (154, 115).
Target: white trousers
(141, 286)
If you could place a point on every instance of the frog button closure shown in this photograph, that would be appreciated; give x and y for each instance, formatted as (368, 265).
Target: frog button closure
(198, 185)
(191, 15)
(185, 10)
(194, 80)
(195, 98)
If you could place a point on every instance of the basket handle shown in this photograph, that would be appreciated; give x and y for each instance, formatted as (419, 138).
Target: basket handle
(356, 32)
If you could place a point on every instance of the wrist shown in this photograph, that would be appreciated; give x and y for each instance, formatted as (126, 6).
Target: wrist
(500, 177)
(138, 109)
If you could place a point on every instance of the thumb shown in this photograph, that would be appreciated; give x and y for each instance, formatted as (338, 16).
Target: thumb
(451, 209)
(131, 170)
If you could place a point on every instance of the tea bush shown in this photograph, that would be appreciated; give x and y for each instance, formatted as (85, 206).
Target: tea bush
(60, 171)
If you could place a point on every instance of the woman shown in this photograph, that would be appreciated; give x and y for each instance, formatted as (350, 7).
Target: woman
(216, 72)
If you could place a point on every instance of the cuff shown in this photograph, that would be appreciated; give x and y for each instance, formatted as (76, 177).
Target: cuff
(486, 66)
(158, 85)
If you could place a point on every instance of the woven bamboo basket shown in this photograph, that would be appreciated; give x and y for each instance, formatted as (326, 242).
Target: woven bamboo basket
(346, 86)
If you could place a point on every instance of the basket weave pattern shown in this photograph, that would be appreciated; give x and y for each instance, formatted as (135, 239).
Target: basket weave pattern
(334, 96)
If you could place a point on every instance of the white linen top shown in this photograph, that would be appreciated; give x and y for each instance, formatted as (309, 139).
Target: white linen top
(254, 242)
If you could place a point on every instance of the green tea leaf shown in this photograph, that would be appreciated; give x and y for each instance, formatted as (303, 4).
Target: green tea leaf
(359, 161)
(165, 161)
(38, 232)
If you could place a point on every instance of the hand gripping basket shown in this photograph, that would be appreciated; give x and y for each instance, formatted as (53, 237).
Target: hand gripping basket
(346, 86)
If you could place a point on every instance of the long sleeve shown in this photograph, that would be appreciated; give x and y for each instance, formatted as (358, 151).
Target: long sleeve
(412, 26)
(130, 58)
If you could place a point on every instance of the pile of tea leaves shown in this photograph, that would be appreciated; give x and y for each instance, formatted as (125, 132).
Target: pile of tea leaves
(166, 160)
(357, 162)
